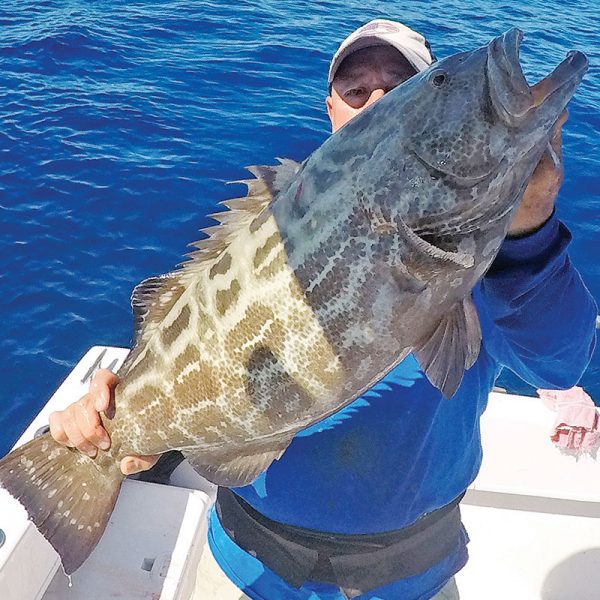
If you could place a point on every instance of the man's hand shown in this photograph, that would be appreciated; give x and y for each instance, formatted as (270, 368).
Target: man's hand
(80, 425)
(541, 192)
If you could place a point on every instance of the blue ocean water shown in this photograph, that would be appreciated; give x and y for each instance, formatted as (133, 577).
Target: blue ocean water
(120, 123)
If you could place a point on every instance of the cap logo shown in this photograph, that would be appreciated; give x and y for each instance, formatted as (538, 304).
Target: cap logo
(379, 28)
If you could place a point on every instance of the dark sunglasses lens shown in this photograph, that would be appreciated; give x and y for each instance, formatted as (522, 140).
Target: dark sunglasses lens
(356, 101)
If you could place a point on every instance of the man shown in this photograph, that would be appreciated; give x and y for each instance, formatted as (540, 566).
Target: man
(364, 504)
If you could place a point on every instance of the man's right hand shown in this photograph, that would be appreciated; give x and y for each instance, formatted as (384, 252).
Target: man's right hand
(80, 425)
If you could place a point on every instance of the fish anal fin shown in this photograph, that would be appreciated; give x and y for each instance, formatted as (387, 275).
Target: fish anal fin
(452, 348)
(234, 471)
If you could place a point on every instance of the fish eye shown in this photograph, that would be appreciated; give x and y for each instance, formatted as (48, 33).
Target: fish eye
(438, 78)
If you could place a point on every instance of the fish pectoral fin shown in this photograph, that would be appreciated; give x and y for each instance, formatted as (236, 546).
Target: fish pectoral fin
(452, 348)
(242, 469)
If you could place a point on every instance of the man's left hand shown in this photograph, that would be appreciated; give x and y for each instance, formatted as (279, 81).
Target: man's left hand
(541, 192)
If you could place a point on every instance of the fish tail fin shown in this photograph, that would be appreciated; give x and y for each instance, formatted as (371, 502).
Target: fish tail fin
(66, 494)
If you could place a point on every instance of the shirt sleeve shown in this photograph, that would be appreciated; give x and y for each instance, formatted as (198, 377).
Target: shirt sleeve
(542, 315)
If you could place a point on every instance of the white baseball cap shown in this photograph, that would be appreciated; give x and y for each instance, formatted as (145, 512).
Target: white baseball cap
(379, 32)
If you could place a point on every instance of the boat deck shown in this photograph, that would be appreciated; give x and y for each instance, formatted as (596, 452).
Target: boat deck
(533, 516)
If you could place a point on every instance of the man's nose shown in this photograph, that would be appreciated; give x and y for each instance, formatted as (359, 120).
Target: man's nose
(375, 95)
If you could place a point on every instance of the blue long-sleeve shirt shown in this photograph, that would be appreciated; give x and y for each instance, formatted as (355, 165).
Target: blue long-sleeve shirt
(401, 450)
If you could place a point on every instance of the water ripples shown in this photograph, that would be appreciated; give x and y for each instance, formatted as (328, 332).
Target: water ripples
(121, 121)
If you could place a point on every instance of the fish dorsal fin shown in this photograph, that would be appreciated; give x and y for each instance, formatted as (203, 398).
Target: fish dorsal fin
(151, 301)
(452, 348)
(239, 470)
(153, 298)
(270, 180)
(276, 177)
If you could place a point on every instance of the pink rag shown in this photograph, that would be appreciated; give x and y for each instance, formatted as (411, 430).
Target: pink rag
(577, 424)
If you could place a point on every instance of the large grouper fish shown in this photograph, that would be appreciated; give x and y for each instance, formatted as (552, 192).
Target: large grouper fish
(314, 286)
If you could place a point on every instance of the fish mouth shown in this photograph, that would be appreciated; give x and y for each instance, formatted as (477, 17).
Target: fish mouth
(512, 97)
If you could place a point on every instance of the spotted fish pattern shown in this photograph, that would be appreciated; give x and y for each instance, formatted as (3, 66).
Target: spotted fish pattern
(239, 353)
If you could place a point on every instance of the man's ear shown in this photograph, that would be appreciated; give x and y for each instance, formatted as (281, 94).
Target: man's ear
(329, 104)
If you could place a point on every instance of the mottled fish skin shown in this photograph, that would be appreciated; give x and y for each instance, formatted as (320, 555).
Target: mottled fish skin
(241, 355)
(326, 290)
(313, 287)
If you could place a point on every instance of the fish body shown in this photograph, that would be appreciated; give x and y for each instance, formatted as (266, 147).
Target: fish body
(314, 286)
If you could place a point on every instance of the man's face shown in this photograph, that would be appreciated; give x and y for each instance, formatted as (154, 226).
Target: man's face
(364, 77)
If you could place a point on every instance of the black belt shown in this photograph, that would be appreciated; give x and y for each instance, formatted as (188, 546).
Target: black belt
(355, 563)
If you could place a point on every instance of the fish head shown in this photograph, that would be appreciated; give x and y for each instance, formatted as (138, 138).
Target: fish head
(474, 112)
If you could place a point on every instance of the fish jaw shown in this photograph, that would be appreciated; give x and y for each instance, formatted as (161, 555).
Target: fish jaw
(511, 96)
(509, 91)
